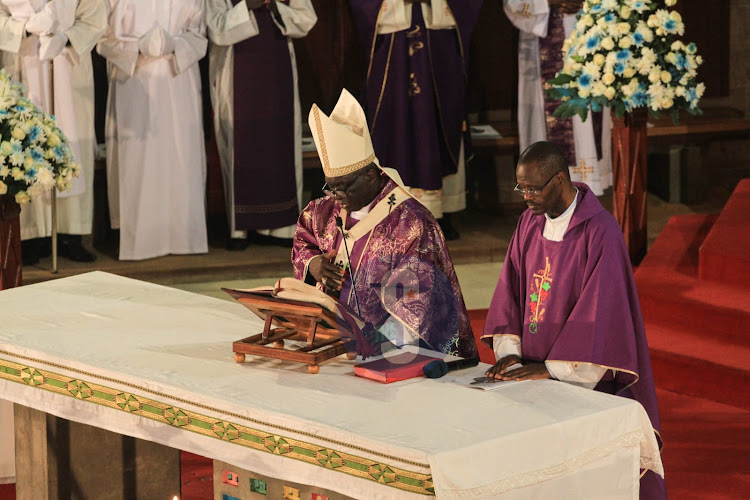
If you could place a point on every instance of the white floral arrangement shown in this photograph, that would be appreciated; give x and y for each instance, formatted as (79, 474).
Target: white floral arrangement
(625, 54)
(34, 153)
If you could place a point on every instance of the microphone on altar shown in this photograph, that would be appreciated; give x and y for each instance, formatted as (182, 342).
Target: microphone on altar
(438, 368)
(340, 225)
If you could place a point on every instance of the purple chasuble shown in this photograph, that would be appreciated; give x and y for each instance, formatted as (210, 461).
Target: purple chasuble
(575, 301)
(265, 186)
(415, 92)
(402, 270)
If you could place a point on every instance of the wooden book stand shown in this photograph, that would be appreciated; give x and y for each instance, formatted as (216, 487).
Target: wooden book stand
(290, 320)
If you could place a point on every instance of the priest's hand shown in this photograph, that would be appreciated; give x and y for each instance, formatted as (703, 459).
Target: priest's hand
(498, 370)
(325, 272)
(156, 43)
(51, 45)
(41, 22)
(529, 371)
(255, 4)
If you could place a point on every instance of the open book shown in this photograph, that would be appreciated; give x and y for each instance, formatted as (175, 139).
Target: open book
(293, 303)
(289, 289)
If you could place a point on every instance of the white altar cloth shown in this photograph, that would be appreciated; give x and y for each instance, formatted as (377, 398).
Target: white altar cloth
(156, 363)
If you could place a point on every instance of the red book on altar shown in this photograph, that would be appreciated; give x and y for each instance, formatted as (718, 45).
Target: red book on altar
(395, 367)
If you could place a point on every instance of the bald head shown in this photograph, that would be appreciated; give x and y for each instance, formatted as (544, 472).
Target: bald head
(547, 157)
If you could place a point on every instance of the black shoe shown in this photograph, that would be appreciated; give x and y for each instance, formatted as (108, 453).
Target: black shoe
(237, 244)
(264, 240)
(29, 252)
(70, 246)
(449, 231)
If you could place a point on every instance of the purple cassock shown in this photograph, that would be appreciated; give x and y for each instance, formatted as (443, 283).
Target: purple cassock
(265, 188)
(575, 301)
(402, 271)
(415, 91)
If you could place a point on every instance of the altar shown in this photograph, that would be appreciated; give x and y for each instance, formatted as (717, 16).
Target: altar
(156, 363)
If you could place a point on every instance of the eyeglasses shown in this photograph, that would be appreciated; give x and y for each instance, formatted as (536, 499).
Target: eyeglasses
(533, 191)
(339, 192)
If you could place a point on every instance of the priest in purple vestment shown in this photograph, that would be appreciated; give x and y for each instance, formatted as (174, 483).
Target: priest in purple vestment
(375, 245)
(415, 93)
(566, 305)
(257, 119)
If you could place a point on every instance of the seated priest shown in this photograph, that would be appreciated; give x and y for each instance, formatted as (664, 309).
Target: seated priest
(375, 246)
(566, 305)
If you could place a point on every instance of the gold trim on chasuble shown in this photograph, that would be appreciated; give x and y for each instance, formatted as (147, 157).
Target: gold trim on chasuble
(181, 418)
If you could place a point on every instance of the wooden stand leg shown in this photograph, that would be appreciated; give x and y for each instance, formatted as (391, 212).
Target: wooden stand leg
(32, 470)
(239, 357)
(313, 369)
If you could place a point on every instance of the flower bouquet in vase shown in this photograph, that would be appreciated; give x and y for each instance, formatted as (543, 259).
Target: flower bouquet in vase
(627, 55)
(34, 159)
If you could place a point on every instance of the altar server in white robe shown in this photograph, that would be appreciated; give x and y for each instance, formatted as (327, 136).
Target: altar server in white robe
(156, 159)
(32, 34)
(254, 92)
(543, 26)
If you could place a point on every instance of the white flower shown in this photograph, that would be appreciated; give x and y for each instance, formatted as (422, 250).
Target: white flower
(4, 170)
(608, 78)
(609, 4)
(670, 3)
(625, 42)
(666, 76)
(608, 43)
(22, 198)
(599, 59)
(3, 187)
(45, 178)
(598, 89)
(625, 12)
(18, 133)
(609, 93)
(679, 91)
(593, 69)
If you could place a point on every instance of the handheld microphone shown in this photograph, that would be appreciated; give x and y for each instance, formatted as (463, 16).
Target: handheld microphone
(438, 368)
(340, 225)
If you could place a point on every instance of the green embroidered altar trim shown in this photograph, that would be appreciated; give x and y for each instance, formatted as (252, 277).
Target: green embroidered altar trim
(188, 420)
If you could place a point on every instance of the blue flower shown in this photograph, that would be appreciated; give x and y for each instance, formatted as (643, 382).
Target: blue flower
(670, 26)
(584, 81)
(680, 61)
(637, 39)
(595, 9)
(30, 174)
(592, 42)
(34, 133)
(36, 154)
(619, 68)
(58, 154)
(609, 17)
(623, 55)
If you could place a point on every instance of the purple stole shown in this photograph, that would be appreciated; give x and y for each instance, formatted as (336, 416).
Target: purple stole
(415, 92)
(265, 188)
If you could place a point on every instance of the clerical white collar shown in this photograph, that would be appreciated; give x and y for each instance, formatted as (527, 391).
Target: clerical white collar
(567, 214)
(362, 212)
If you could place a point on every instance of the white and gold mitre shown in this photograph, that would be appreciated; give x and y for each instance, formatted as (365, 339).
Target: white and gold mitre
(343, 139)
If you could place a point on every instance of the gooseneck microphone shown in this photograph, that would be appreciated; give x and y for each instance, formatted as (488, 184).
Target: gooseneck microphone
(340, 225)
(438, 368)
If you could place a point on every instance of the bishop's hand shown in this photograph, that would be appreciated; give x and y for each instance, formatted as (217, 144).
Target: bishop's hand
(325, 272)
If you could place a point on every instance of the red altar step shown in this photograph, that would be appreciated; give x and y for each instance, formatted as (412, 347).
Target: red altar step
(725, 253)
(697, 315)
